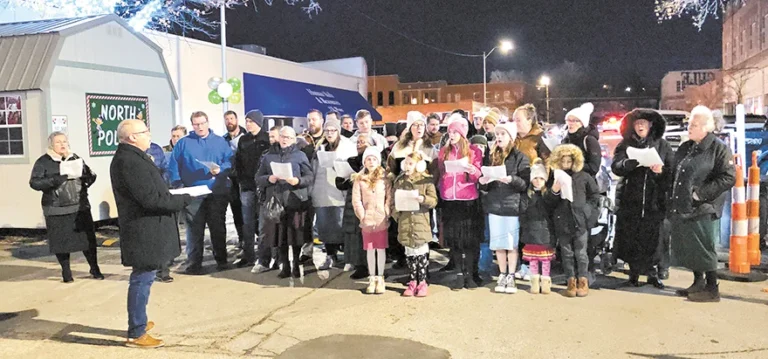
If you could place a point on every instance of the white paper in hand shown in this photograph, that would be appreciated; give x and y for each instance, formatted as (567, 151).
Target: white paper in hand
(551, 142)
(72, 169)
(457, 166)
(494, 173)
(195, 191)
(406, 201)
(343, 169)
(281, 170)
(566, 184)
(210, 165)
(326, 158)
(646, 157)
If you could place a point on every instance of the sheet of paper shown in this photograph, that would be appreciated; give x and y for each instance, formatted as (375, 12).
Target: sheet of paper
(195, 191)
(647, 157)
(72, 169)
(281, 170)
(406, 201)
(210, 165)
(566, 184)
(551, 142)
(343, 169)
(457, 166)
(494, 173)
(326, 158)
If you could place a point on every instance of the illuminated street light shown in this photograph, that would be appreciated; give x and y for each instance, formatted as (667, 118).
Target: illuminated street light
(504, 46)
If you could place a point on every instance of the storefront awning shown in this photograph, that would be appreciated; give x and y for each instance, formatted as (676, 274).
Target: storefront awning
(278, 97)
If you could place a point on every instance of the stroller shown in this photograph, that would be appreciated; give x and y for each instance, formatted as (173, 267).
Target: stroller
(601, 236)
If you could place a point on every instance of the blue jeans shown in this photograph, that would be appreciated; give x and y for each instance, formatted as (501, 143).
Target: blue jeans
(486, 255)
(138, 296)
(250, 208)
(210, 210)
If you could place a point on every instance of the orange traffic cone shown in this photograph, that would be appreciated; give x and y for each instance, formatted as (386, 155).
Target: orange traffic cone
(737, 257)
(753, 213)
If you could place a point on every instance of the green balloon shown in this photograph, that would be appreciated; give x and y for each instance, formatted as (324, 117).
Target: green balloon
(235, 98)
(214, 97)
(236, 84)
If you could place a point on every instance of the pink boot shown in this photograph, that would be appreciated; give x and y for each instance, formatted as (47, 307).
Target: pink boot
(411, 290)
(421, 290)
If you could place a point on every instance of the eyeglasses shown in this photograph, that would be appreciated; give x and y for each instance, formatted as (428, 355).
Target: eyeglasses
(138, 133)
(199, 124)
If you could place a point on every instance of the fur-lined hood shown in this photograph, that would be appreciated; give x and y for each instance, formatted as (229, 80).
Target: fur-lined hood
(58, 158)
(553, 162)
(658, 124)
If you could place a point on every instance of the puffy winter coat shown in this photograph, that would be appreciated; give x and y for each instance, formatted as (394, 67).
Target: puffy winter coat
(532, 144)
(705, 169)
(299, 165)
(536, 223)
(372, 204)
(398, 154)
(324, 191)
(642, 191)
(509, 199)
(459, 186)
(250, 150)
(414, 228)
(581, 215)
(60, 194)
(587, 142)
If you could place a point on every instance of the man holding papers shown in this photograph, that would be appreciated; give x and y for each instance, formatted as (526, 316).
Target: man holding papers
(149, 234)
(644, 160)
(203, 158)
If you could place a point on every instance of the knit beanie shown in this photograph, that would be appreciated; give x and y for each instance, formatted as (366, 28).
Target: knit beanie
(479, 140)
(510, 127)
(334, 123)
(582, 112)
(256, 116)
(538, 170)
(459, 125)
(372, 151)
(493, 116)
(412, 117)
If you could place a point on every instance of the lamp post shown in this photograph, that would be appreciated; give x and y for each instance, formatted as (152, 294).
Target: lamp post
(504, 47)
(222, 9)
(544, 81)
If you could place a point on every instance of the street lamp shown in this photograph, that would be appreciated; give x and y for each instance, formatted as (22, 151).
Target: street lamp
(544, 81)
(505, 46)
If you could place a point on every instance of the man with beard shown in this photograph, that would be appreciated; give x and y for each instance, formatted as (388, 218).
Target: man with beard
(234, 133)
(347, 126)
(433, 129)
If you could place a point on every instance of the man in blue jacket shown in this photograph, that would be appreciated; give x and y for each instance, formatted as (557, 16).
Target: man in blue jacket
(203, 159)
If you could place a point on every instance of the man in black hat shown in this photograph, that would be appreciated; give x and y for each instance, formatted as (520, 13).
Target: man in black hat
(251, 147)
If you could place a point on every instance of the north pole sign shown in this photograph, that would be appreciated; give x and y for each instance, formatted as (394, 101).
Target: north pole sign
(105, 112)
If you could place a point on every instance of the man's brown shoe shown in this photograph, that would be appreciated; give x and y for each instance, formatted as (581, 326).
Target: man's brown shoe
(582, 288)
(570, 291)
(145, 341)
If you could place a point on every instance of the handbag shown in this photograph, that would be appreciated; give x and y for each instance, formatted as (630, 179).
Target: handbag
(296, 200)
(273, 209)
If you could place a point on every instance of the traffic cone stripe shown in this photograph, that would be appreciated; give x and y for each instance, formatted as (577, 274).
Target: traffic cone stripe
(753, 213)
(737, 256)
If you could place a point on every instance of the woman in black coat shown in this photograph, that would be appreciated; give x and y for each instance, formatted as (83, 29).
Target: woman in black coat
(642, 195)
(703, 174)
(584, 137)
(65, 204)
(354, 256)
(293, 194)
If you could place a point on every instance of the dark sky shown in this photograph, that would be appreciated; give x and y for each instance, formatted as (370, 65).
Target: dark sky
(611, 37)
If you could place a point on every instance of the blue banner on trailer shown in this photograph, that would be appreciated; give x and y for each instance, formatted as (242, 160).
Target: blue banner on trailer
(278, 97)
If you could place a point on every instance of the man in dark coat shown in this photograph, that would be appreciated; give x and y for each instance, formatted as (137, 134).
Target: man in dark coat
(149, 234)
(234, 133)
(642, 196)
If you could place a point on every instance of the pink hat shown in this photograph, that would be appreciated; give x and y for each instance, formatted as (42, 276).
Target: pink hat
(459, 125)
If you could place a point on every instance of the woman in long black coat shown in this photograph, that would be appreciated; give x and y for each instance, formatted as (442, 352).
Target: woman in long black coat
(65, 204)
(642, 195)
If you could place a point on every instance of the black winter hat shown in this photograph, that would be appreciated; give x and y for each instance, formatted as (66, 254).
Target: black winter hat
(256, 116)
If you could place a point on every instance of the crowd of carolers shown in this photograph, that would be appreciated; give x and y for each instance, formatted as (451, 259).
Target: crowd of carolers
(521, 217)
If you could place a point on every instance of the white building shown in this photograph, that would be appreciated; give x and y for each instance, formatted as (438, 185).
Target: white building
(81, 76)
(674, 83)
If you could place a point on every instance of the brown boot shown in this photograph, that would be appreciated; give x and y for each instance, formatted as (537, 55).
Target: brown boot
(570, 291)
(582, 289)
(145, 341)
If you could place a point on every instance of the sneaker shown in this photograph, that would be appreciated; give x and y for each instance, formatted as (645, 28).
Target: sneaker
(371, 288)
(348, 267)
(411, 290)
(421, 290)
(381, 287)
(511, 287)
(145, 341)
(328, 264)
(501, 284)
(523, 273)
(258, 268)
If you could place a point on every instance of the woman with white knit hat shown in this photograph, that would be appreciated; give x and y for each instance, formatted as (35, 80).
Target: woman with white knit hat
(504, 202)
(579, 135)
(413, 139)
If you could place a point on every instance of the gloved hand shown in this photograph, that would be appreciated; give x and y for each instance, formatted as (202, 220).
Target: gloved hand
(631, 164)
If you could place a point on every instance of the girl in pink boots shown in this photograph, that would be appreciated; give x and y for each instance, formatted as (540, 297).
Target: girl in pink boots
(536, 225)
(371, 196)
(413, 227)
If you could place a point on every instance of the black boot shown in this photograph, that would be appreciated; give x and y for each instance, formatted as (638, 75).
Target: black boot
(66, 272)
(653, 278)
(663, 273)
(634, 278)
(458, 284)
(296, 272)
(469, 270)
(284, 260)
(697, 286)
(90, 256)
(360, 272)
(710, 294)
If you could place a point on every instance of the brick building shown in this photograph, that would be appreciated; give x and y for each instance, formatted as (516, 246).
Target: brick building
(393, 99)
(745, 54)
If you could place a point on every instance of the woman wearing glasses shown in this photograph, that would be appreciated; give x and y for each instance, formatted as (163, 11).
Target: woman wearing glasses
(579, 135)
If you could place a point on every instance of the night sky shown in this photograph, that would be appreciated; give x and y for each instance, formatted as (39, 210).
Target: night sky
(611, 37)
